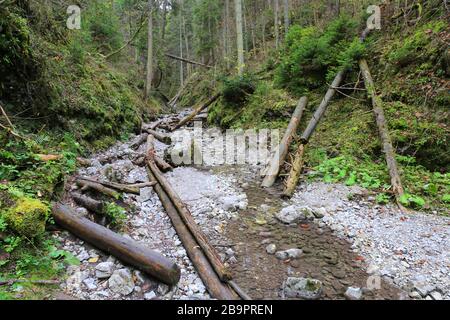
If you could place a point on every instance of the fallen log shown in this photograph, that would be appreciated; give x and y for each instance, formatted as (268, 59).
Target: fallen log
(152, 126)
(89, 203)
(84, 162)
(187, 218)
(383, 131)
(151, 154)
(126, 250)
(187, 61)
(139, 142)
(239, 291)
(322, 108)
(86, 185)
(164, 138)
(190, 117)
(295, 172)
(279, 157)
(215, 287)
(117, 186)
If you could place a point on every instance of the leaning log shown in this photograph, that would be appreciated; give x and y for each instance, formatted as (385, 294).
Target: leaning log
(190, 117)
(187, 218)
(322, 108)
(86, 185)
(279, 157)
(383, 130)
(151, 154)
(296, 171)
(139, 142)
(215, 287)
(126, 250)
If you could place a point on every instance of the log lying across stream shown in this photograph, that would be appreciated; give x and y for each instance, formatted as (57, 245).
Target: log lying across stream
(126, 250)
(279, 157)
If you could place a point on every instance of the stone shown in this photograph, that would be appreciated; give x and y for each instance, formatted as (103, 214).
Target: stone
(121, 282)
(353, 293)
(294, 253)
(83, 256)
(290, 214)
(90, 283)
(305, 288)
(423, 288)
(271, 248)
(319, 213)
(150, 295)
(372, 269)
(104, 270)
(415, 295)
(281, 255)
(163, 289)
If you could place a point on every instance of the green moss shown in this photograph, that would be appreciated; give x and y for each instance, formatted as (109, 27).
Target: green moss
(27, 217)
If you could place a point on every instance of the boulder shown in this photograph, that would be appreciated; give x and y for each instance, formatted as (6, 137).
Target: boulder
(121, 282)
(305, 288)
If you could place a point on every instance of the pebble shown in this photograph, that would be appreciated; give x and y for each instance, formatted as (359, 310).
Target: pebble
(121, 282)
(353, 293)
(271, 248)
(104, 270)
(150, 295)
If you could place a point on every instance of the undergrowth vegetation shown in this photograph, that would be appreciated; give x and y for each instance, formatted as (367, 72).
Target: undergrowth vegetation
(411, 73)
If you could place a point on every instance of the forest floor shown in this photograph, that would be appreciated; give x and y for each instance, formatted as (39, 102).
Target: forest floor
(346, 240)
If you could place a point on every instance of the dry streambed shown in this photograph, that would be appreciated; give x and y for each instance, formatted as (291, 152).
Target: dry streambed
(318, 244)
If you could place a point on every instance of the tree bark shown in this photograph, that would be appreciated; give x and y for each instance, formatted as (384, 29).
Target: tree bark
(276, 29)
(383, 130)
(239, 37)
(89, 203)
(117, 186)
(85, 185)
(186, 216)
(287, 21)
(149, 78)
(187, 61)
(164, 138)
(322, 108)
(127, 250)
(296, 170)
(283, 149)
(216, 288)
(190, 117)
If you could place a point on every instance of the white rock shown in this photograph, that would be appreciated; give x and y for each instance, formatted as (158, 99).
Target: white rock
(121, 282)
(271, 248)
(104, 270)
(353, 293)
(150, 295)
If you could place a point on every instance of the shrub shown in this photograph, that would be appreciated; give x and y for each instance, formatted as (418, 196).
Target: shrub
(236, 90)
(310, 54)
(27, 217)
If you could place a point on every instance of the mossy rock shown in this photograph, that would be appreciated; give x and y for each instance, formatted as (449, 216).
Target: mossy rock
(27, 217)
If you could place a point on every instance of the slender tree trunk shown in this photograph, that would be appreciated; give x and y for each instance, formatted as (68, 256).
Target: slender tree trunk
(181, 48)
(276, 29)
(148, 85)
(239, 35)
(287, 21)
(383, 130)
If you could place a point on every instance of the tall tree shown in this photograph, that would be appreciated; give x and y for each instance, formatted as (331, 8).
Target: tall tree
(276, 21)
(287, 21)
(239, 36)
(149, 78)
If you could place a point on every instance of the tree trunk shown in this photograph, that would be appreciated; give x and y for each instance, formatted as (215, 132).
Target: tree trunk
(149, 78)
(216, 288)
(287, 21)
(85, 185)
(89, 203)
(383, 130)
(186, 216)
(190, 117)
(282, 151)
(276, 27)
(239, 36)
(164, 138)
(126, 250)
(296, 170)
(322, 108)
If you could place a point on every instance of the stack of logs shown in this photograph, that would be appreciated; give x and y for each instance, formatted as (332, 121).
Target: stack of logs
(216, 277)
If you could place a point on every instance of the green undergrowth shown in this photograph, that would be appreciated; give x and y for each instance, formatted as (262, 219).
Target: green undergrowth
(410, 67)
